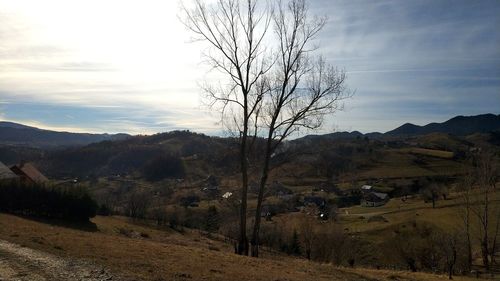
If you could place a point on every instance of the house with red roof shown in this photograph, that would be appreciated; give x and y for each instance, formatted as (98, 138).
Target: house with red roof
(29, 174)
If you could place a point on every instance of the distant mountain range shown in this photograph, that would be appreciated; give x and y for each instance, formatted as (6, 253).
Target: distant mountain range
(18, 134)
(458, 126)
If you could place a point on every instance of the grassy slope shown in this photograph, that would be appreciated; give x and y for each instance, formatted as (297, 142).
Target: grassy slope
(399, 163)
(399, 215)
(446, 214)
(170, 255)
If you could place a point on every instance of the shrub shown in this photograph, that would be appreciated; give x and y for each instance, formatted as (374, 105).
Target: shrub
(212, 220)
(71, 203)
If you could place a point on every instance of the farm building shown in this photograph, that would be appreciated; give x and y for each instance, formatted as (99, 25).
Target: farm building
(28, 173)
(374, 199)
(6, 174)
(366, 188)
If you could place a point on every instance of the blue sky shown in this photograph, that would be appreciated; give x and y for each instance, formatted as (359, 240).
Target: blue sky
(128, 66)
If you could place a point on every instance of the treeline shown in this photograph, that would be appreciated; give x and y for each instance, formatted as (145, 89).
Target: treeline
(155, 157)
(69, 203)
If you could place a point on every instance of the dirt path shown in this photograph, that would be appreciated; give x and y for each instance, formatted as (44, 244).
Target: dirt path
(22, 264)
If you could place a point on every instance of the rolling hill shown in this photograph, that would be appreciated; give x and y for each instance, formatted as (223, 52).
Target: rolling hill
(18, 134)
(104, 154)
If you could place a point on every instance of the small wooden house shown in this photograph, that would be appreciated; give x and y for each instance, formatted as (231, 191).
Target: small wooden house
(374, 199)
(29, 174)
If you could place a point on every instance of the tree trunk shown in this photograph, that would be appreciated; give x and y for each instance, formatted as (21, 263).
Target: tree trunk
(452, 264)
(256, 226)
(468, 236)
(262, 185)
(467, 227)
(485, 253)
(493, 249)
(485, 240)
(469, 252)
(243, 241)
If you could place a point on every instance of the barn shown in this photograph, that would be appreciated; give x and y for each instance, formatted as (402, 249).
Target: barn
(374, 199)
(29, 174)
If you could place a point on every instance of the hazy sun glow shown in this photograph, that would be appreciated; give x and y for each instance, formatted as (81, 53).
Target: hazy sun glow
(102, 53)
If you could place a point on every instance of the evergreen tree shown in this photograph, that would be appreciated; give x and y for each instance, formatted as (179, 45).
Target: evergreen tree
(212, 219)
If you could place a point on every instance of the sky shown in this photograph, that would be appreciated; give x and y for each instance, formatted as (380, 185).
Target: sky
(131, 66)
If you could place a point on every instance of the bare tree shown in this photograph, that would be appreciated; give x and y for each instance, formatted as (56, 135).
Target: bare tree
(300, 90)
(158, 211)
(307, 235)
(494, 244)
(137, 204)
(236, 32)
(406, 250)
(465, 187)
(333, 245)
(433, 191)
(487, 213)
(449, 244)
(273, 82)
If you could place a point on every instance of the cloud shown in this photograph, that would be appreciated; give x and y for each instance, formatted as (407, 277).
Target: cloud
(408, 61)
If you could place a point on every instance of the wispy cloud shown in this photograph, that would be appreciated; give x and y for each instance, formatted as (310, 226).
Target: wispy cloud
(408, 61)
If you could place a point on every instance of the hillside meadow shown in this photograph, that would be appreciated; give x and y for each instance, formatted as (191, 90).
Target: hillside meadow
(140, 252)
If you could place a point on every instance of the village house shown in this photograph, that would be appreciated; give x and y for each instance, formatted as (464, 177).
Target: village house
(6, 174)
(28, 174)
(366, 188)
(374, 199)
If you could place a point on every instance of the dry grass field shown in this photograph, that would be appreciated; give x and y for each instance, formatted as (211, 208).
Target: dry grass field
(143, 253)
(432, 152)
(402, 163)
(378, 226)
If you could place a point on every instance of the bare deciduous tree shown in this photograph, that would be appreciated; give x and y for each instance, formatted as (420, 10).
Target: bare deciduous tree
(487, 213)
(307, 235)
(274, 85)
(433, 191)
(449, 244)
(465, 187)
(236, 31)
(137, 204)
(300, 90)
(332, 245)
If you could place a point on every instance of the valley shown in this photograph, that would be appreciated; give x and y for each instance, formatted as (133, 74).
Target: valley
(167, 208)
